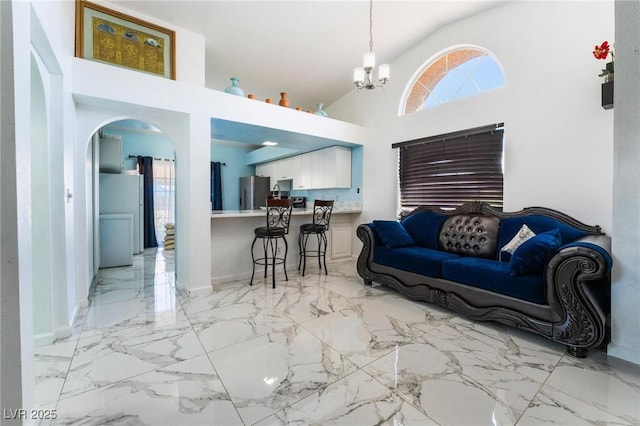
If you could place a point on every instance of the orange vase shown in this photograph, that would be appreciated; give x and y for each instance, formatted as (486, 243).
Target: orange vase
(284, 101)
(268, 100)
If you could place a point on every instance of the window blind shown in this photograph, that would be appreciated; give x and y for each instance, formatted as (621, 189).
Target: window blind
(449, 170)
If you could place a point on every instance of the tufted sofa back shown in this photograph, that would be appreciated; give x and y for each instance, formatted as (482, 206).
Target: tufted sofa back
(470, 235)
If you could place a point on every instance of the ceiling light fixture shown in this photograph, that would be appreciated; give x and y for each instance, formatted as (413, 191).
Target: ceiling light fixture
(363, 76)
(269, 143)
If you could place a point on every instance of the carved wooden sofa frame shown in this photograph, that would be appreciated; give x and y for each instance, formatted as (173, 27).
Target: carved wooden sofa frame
(577, 278)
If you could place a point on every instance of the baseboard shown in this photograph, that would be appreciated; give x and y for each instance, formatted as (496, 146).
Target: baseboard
(624, 353)
(190, 291)
(51, 337)
(43, 339)
(62, 333)
(230, 278)
(344, 259)
(246, 276)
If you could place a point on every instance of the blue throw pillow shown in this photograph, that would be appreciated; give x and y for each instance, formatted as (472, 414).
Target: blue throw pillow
(424, 228)
(392, 234)
(533, 254)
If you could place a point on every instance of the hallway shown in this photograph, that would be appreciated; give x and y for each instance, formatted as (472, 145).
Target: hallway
(317, 349)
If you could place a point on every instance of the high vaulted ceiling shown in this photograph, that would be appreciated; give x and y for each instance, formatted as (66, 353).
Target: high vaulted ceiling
(306, 48)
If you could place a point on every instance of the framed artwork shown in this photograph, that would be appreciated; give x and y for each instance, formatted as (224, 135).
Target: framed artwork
(107, 36)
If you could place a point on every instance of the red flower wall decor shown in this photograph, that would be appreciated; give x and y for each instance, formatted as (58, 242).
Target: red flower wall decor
(602, 52)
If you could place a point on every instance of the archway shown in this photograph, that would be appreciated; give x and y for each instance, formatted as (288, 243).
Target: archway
(115, 187)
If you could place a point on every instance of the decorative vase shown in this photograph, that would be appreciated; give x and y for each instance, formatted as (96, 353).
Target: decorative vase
(320, 111)
(284, 101)
(250, 96)
(268, 100)
(234, 89)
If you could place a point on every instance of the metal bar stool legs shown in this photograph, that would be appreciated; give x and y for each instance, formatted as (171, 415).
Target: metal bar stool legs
(321, 252)
(278, 217)
(321, 217)
(253, 260)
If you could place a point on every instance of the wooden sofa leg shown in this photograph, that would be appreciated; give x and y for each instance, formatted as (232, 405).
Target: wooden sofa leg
(577, 352)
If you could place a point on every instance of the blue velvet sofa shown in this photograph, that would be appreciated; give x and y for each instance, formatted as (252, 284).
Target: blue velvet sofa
(536, 269)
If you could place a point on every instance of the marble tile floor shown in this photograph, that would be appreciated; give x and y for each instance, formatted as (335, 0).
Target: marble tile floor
(316, 350)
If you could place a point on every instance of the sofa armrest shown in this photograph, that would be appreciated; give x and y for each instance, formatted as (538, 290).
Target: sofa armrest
(599, 243)
(578, 287)
(366, 234)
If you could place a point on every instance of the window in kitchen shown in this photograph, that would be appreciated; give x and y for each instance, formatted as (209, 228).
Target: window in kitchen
(458, 73)
(448, 170)
(164, 195)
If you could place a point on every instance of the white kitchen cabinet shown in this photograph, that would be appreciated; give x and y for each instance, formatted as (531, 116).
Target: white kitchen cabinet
(284, 169)
(267, 169)
(336, 167)
(324, 168)
(317, 169)
(301, 165)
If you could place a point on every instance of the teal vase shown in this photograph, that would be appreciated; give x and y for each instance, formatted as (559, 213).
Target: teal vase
(234, 89)
(320, 111)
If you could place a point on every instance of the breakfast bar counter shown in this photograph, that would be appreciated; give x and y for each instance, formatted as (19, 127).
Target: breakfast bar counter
(262, 213)
(232, 234)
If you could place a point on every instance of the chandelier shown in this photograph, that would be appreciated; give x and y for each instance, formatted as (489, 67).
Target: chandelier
(363, 76)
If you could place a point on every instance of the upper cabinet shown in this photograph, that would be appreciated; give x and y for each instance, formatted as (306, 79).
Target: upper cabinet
(336, 168)
(276, 170)
(284, 169)
(267, 170)
(317, 169)
(325, 168)
(302, 165)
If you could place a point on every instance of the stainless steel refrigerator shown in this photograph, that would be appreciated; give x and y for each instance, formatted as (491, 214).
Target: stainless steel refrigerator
(254, 191)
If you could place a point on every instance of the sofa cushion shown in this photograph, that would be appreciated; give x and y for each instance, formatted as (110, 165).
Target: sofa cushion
(533, 254)
(509, 226)
(494, 276)
(470, 235)
(392, 234)
(418, 260)
(521, 236)
(424, 228)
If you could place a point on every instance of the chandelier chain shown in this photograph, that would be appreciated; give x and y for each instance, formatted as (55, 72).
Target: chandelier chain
(370, 25)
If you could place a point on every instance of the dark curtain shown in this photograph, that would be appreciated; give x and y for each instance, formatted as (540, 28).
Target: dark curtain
(145, 165)
(216, 185)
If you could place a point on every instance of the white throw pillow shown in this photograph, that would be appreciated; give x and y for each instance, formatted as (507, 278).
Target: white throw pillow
(521, 236)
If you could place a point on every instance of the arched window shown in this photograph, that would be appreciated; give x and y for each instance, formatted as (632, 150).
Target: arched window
(456, 74)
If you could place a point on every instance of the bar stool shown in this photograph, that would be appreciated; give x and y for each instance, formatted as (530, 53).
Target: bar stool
(321, 217)
(278, 217)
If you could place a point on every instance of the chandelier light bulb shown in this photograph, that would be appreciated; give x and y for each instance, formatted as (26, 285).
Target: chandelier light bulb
(384, 72)
(369, 61)
(358, 75)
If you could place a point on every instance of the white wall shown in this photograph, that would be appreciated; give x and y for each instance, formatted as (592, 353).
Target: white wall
(189, 47)
(12, 373)
(625, 291)
(40, 208)
(558, 140)
(22, 143)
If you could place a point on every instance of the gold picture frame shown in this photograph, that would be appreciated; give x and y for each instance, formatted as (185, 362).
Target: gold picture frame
(114, 38)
